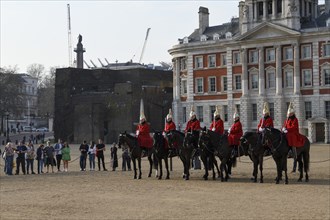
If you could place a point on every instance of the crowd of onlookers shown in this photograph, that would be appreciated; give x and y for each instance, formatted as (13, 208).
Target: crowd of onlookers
(50, 157)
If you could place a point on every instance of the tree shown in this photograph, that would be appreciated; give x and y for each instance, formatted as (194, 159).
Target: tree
(36, 70)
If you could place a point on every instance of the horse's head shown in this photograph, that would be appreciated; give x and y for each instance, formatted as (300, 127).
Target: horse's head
(268, 135)
(158, 139)
(191, 139)
(126, 140)
(204, 138)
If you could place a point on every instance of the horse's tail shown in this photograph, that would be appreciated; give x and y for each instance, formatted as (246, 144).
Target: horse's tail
(306, 155)
(234, 161)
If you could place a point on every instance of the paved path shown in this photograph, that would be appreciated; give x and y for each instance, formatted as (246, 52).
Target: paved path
(19, 136)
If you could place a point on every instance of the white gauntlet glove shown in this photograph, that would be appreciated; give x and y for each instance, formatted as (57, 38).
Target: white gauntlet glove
(229, 131)
(213, 129)
(261, 129)
(137, 133)
(284, 130)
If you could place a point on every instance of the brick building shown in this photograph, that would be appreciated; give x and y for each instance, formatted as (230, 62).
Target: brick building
(101, 103)
(276, 51)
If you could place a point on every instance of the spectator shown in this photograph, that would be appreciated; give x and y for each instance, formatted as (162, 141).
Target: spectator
(91, 153)
(66, 156)
(100, 147)
(20, 160)
(30, 154)
(40, 158)
(114, 157)
(58, 153)
(49, 155)
(83, 155)
(126, 160)
(9, 158)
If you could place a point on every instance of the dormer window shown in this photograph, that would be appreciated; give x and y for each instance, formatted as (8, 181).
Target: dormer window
(228, 35)
(216, 36)
(185, 40)
(203, 38)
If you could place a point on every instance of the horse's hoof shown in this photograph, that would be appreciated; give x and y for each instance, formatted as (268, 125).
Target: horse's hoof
(299, 180)
(167, 177)
(183, 176)
(252, 178)
(140, 178)
(261, 181)
(286, 182)
(149, 175)
(307, 180)
(135, 177)
(187, 178)
(159, 177)
(255, 180)
(277, 182)
(205, 178)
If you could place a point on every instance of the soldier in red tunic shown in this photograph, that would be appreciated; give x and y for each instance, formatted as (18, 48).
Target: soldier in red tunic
(143, 132)
(193, 124)
(217, 124)
(169, 126)
(235, 133)
(291, 129)
(265, 122)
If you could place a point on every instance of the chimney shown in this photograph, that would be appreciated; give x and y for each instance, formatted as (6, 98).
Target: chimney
(203, 19)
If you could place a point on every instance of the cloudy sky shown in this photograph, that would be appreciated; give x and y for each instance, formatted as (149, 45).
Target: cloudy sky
(37, 31)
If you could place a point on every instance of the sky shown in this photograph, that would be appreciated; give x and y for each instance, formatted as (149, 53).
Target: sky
(37, 31)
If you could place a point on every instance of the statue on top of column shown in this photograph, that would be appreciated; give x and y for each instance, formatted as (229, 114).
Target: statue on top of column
(79, 39)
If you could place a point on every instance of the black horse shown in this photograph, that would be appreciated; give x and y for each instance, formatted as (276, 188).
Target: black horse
(162, 153)
(222, 150)
(189, 147)
(207, 149)
(128, 141)
(280, 148)
(251, 144)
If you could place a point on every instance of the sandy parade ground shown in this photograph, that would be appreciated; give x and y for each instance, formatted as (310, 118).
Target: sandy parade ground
(116, 195)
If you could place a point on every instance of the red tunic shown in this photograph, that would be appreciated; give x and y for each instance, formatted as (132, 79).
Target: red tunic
(193, 125)
(169, 126)
(268, 122)
(294, 138)
(144, 139)
(218, 125)
(236, 133)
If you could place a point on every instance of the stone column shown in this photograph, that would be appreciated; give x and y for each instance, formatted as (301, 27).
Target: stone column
(190, 78)
(264, 17)
(302, 8)
(296, 66)
(244, 72)
(326, 132)
(176, 80)
(255, 11)
(274, 9)
(278, 70)
(261, 72)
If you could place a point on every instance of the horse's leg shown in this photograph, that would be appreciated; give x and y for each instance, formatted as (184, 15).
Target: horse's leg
(150, 164)
(212, 158)
(160, 164)
(306, 164)
(166, 166)
(285, 164)
(226, 169)
(139, 164)
(261, 161)
(206, 166)
(134, 167)
(300, 167)
(216, 165)
(279, 170)
(255, 169)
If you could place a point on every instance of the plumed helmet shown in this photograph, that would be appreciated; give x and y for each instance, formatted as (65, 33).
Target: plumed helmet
(169, 115)
(217, 111)
(192, 112)
(290, 109)
(266, 109)
(142, 116)
(236, 115)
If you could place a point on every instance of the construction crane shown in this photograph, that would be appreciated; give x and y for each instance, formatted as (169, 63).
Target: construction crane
(69, 37)
(107, 61)
(101, 62)
(87, 64)
(144, 45)
(93, 63)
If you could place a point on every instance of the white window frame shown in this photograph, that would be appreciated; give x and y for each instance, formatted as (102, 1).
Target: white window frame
(202, 81)
(308, 110)
(210, 86)
(286, 54)
(324, 72)
(212, 109)
(223, 84)
(223, 59)
(326, 50)
(183, 64)
(200, 113)
(183, 86)
(269, 79)
(209, 61)
(253, 56)
(324, 67)
(254, 74)
(286, 72)
(203, 38)
(216, 36)
(197, 63)
(304, 77)
(270, 57)
(236, 57)
(306, 54)
(236, 81)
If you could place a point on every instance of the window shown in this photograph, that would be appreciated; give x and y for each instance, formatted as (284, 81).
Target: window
(225, 112)
(271, 110)
(254, 112)
(270, 7)
(270, 55)
(254, 81)
(288, 78)
(203, 38)
(271, 80)
(212, 84)
(307, 77)
(211, 60)
(183, 86)
(199, 85)
(212, 110)
(183, 64)
(238, 82)
(198, 62)
(253, 56)
(224, 83)
(306, 51)
(327, 109)
(236, 57)
(326, 76)
(223, 60)
(184, 114)
(200, 113)
(216, 36)
(261, 8)
(308, 110)
(288, 53)
(238, 107)
(279, 6)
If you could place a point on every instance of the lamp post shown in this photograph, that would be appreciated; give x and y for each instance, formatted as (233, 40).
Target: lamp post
(7, 127)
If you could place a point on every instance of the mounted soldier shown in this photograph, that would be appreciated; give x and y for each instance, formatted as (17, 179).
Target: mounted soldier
(217, 124)
(235, 133)
(265, 122)
(291, 129)
(143, 131)
(169, 126)
(193, 123)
